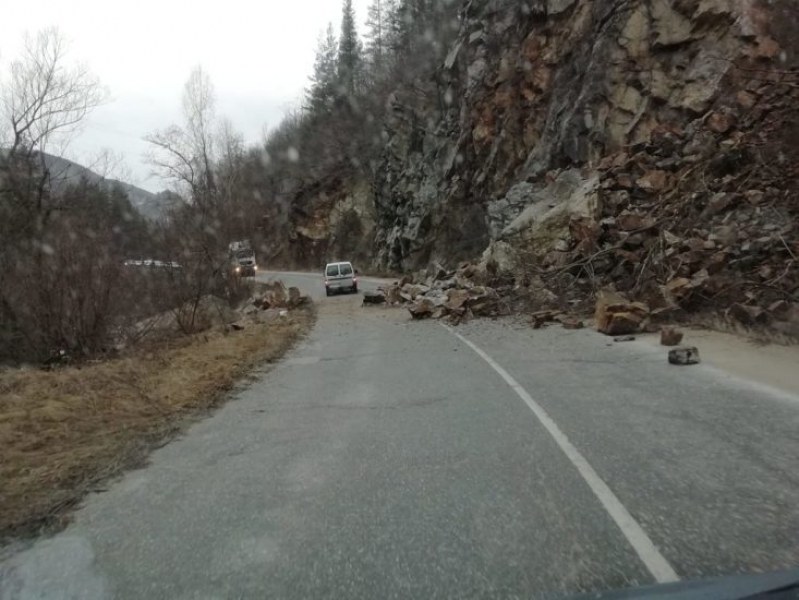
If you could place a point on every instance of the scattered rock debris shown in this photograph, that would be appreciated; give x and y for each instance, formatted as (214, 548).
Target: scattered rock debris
(687, 355)
(273, 301)
(669, 336)
(374, 298)
(456, 296)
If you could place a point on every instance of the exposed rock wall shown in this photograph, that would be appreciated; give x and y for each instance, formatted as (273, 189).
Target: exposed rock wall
(586, 132)
(534, 86)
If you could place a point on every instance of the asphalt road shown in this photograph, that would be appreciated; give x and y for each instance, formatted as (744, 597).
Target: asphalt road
(385, 458)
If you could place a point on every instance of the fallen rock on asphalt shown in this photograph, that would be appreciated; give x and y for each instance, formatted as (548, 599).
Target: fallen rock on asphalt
(423, 309)
(624, 338)
(687, 355)
(374, 298)
(543, 317)
(392, 293)
(571, 323)
(615, 315)
(456, 299)
(483, 301)
(669, 336)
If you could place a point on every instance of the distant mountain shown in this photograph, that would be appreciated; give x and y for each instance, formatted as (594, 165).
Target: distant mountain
(151, 206)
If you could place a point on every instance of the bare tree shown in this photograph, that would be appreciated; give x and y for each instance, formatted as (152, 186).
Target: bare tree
(202, 157)
(43, 103)
(186, 154)
(45, 100)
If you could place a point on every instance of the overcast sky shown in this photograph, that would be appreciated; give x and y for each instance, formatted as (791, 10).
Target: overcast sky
(259, 54)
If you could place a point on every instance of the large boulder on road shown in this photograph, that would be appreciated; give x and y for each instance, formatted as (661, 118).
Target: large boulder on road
(615, 315)
(422, 309)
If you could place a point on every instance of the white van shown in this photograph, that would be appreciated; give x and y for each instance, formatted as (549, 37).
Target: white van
(340, 277)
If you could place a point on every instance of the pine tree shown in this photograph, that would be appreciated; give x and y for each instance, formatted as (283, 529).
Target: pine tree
(322, 94)
(377, 36)
(349, 51)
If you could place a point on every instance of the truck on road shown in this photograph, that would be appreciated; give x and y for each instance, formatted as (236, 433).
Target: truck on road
(242, 259)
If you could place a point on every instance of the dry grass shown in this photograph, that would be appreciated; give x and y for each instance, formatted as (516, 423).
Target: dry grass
(62, 432)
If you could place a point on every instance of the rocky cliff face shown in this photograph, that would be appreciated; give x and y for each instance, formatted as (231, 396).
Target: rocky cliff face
(534, 87)
(614, 135)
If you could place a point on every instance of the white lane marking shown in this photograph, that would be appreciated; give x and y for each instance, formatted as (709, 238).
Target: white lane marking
(658, 566)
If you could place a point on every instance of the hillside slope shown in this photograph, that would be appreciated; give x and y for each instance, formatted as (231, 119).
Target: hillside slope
(151, 206)
(647, 144)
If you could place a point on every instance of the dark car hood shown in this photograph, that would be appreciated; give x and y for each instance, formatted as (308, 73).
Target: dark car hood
(780, 585)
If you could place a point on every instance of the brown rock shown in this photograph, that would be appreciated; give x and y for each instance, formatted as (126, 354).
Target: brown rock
(393, 294)
(606, 301)
(720, 122)
(767, 48)
(542, 317)
(726, 234)
(615, 315)
(745, 99)
(571, 323)
(678, 288)
(623, 323)
(624, 180)
(755, 197)
(456, 299)
(653, 181)
(275, 295)
(688, 355)
(717, 203)
(423, 309)
(628, 221)
(483, 301)
(669, 336)
(374, 298)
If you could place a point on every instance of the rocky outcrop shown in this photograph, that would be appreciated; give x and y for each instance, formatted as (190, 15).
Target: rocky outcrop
(576, 143)
(531, 88)
(627, 142)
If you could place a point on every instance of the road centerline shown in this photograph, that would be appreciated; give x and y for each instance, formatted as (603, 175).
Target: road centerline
(654, 561)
